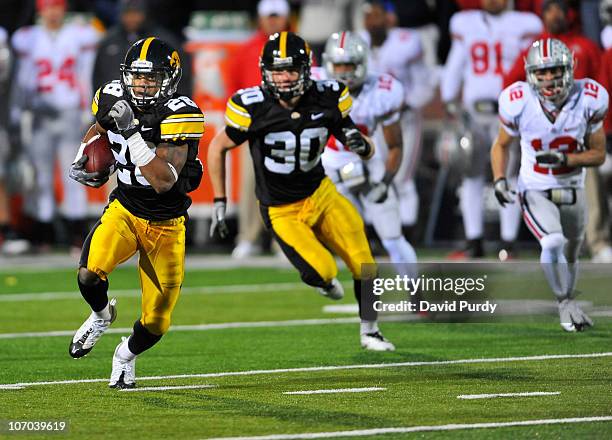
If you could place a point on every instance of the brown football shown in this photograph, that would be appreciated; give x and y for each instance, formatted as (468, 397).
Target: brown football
(100, 156)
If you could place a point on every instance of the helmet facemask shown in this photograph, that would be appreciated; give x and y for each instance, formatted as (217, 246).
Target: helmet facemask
(552, 83)
(146, 85)
(286, 90)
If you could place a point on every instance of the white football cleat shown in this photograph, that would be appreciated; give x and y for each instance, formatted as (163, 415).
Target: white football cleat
(334, 291)
(246, 249)
(565, 317)
(580, 319)
(90, 332)
(376, 342)
(124, 372)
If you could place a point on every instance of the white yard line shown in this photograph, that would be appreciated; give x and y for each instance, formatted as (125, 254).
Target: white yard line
(337, 390)
(331, 368)
(407, 429)
(195, 327)
(169, 388)
(492, 396)
(134, 293)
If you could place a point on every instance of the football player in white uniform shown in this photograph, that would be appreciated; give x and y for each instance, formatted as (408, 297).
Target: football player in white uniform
(485, 44)
(560, 125)
(377, 101)
(398, 52)
(54, 65)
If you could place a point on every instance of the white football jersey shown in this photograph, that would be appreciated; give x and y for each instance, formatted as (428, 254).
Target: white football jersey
(606, 37)
(401, 55)
(484, 47)
(521, 115)
(54, 68)
(378, 102)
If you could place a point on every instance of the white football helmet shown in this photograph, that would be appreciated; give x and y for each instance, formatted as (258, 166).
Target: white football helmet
(346, 47)
(549, 53)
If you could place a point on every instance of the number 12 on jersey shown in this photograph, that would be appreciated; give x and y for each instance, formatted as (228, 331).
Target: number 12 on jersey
(289, 151)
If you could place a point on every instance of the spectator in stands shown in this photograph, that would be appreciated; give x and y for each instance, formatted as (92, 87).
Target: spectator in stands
(273, 17)
(133, 25)
(52, 83)
(587, 55)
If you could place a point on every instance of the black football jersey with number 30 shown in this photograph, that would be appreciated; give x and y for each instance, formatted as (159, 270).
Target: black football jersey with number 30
(177, 121)
(286, 144)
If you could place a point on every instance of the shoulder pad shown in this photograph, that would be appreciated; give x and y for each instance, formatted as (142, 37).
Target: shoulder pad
(458, 23)
(595, 98)
(182, 120)
(237, 110)
(512, 101)
(106, 96)
(389, 93)
(336, 92)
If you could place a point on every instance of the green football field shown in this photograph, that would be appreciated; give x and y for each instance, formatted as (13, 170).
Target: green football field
(244, 338)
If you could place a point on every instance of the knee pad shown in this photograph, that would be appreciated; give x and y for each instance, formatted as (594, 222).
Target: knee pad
(87, 277)
(156, 325)
(554, 241)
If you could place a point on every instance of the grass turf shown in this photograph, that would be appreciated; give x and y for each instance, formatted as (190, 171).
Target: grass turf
(254, 404)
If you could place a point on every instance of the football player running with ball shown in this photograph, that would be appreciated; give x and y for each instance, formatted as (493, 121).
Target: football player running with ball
(287, 121)
(154, 136)
(559, 123)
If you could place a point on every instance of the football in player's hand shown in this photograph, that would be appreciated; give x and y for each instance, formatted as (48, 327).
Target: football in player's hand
(100, 156)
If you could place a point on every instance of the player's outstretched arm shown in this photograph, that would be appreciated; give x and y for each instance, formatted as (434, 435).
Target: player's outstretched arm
(217, 150)
(499, 153)
(393, 137)
(499, 163)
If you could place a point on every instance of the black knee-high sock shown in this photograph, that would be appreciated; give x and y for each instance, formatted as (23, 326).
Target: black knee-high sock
(142, 339)
(364, 294)
(95, 294)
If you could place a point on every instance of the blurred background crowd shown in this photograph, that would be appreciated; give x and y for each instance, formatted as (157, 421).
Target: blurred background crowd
(54, 54)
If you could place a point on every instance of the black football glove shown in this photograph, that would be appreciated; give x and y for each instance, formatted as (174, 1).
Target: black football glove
(503, 192)
(77, 172)
(551, 159)
(355, 142)
(218, 218)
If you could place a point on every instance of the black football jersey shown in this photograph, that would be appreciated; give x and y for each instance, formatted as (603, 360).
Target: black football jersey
(177, 121)
(286, 144)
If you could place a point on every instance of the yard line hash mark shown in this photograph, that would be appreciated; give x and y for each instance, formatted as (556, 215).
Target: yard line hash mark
(493, 396)
(337, 390)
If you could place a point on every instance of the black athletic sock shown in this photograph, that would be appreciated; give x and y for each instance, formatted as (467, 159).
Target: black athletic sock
(364, 294)
(142, 339)
(95, 295)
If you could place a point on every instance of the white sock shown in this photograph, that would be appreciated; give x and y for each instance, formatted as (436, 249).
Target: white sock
(368, 327)
(471, 206)
(554, 264)
(104, 313)
(572, 277)
(510, 219)
(124, 352)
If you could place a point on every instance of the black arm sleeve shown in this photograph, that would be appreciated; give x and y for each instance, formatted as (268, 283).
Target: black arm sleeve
(237, 136)
(338, 129)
